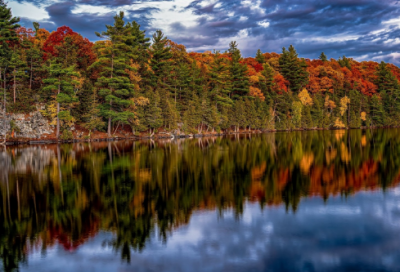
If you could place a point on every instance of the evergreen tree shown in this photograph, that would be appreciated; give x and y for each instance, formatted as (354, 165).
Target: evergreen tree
(60, 84)
(323, 57)
(260, 57)
(389, 89)
(376, 111)
(34, 61)
(250, 113)
(344, 62)
(152, 113)
(317, 110)
(85, 96)
(92, 116)
(159, 63)
(355, 120)
(183, 92)
(293, 69)
(306, 119)
(8, 25)
(218, 85)
(18, 67)
(267, 83)
(239, 82)
(169, 112)
(192, 116)
(113, 63)
(140, 44)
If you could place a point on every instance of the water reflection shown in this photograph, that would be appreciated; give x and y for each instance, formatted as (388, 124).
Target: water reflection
(142, 191)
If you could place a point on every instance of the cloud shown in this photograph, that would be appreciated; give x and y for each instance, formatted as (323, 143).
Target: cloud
(363, 29)
(353, 234)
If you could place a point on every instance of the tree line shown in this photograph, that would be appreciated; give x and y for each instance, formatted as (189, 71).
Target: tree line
(127, 80)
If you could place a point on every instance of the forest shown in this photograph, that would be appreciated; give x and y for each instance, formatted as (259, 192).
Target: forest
(131, 81)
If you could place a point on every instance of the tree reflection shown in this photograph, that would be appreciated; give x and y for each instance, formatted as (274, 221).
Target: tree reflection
(66, 194)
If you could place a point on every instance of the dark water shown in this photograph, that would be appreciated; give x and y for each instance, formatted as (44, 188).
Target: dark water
(300, 201)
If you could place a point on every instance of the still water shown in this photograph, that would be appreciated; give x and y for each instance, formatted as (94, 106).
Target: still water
(298, 201)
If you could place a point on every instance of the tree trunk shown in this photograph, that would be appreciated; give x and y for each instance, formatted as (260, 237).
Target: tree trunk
(111, 76)
(109, 122)
(4, 110)
(15, 85)
(58, 112)
(348, 116)
(30, 79)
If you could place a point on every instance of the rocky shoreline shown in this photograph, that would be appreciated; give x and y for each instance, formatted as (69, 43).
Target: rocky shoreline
(34, 128)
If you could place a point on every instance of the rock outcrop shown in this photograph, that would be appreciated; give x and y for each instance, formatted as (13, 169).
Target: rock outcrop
(32, 125)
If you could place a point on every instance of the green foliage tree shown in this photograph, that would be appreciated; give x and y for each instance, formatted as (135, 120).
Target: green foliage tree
(160, 65)
(238, 78)
(323, 57)
(293, 69)
(60, 84)
(218, 83)
(8, 25)
(260, 57)
(114, 84)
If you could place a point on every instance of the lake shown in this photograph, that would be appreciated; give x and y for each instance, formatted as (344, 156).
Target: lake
(288, 201)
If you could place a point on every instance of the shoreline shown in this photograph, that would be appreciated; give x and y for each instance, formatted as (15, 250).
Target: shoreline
(40, 141)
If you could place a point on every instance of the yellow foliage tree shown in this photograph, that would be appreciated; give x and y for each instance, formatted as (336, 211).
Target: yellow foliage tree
(254, 80)
(256, 92)
(339, 124)
(305, 98)
(343, 105)
(364, 116)
(329, 104)
(135, 103)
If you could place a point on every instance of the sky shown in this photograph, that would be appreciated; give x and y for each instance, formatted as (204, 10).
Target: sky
(361, 29)
(359, 233)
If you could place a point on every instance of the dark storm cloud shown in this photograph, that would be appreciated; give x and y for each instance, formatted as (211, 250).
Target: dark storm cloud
(337, 27)
(309, 25)
(88, 23)
(359, 233)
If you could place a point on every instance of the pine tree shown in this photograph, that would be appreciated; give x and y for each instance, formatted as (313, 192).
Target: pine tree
(344, 62)
(182, 90)
(323, 57)
(268, 81)
(18, 67)
(355, 120)
(389, 89)
(306, 119)
(85, 96)
(317, 110)
(60, 84)
(260, 57)
(159, 63)
(250, 113)
(218, 83)
(293, 69)
(113, 63)
(92, 116)
(170, 114)
(152, 113)
(8, 25)
(297, 109)
(239, 82)
(34, 61)
(192, 116)
(140, 44)
(376, 111)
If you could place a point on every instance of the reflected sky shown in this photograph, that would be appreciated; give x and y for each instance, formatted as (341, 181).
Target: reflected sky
(298, 201)
(342, 234)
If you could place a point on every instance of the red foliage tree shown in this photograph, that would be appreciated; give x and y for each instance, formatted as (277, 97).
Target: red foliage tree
(86, 56)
